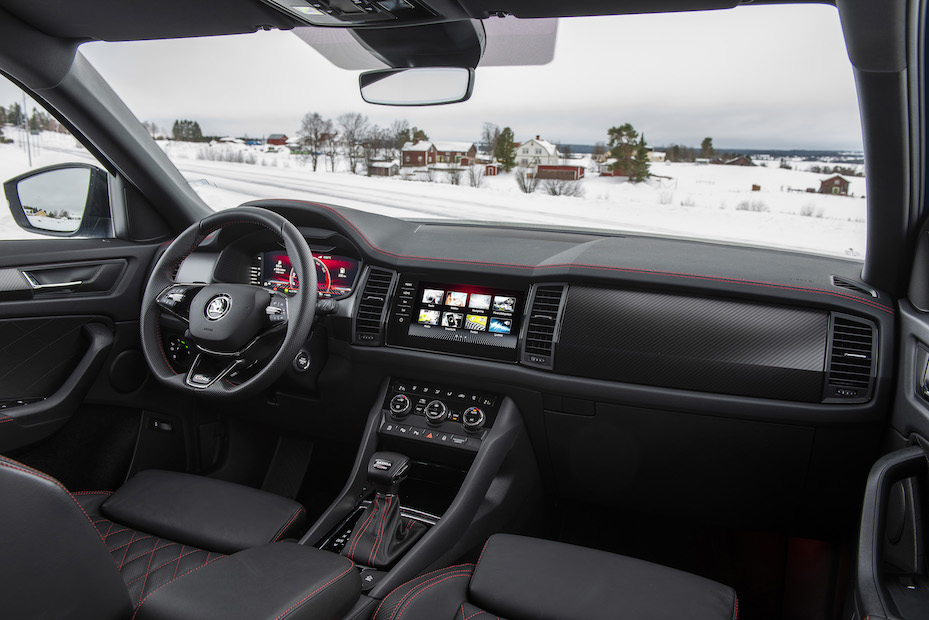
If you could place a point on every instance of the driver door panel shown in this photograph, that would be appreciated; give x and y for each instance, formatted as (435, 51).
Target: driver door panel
(69, 311)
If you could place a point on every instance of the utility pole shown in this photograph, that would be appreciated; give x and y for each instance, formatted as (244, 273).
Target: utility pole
(26, 129)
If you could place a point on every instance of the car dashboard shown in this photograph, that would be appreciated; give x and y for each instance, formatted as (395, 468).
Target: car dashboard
(626, 356)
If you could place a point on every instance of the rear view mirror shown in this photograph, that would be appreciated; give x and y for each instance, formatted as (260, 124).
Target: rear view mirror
(417, 86)
(66, 200)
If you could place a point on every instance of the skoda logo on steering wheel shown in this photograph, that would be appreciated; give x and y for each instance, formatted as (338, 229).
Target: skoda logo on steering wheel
(218, 307)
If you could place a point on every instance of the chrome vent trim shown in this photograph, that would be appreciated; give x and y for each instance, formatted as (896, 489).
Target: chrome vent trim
(543, 323)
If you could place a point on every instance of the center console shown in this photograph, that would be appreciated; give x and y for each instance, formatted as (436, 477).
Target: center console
(465, 469)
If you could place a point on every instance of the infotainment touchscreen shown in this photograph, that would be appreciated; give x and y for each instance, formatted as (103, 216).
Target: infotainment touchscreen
(475, 320)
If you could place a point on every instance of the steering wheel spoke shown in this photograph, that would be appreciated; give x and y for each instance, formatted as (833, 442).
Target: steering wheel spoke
(207, 369)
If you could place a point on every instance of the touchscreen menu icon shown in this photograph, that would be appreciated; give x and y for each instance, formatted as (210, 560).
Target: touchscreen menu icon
(428, 317)
(476, 322)
(480, 302)
(504, 303)
(452, 319)
(457, 299)
(501, 326)
(432, 296)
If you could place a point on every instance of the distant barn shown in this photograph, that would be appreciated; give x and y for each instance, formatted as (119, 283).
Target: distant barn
(834, 185)
(278, 139)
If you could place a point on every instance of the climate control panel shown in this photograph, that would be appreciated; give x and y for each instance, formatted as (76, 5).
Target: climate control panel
(439, 414)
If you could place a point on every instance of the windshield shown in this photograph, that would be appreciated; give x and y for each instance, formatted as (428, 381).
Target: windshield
(738, 126)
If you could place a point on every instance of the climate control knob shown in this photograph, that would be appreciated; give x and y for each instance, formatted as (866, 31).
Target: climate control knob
(436, 412)
(399, 405)
(473, 419)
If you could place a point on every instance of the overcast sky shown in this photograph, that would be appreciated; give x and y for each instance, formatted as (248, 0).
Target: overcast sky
(753, 77)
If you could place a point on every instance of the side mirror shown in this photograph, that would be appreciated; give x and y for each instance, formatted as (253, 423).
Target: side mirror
(65, 200)
(417, 85)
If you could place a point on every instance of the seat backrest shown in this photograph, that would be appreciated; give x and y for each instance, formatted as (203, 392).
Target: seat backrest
(53, 562)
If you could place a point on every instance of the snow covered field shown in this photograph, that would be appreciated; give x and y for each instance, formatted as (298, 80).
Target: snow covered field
(698, 201)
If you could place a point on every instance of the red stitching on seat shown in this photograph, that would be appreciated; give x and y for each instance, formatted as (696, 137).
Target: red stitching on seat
(171, 561)
(132, 540)
(317, 590)
(287, 525)
(172, 581)
(150, 558)
(423, 589)
(5, 418)
(174, 574)
(735, 616)
(92, 493)
(440, 570)
(152, 552)
(483, 549)
(11, 464)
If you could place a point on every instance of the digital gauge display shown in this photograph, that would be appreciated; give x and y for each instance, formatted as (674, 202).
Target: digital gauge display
(335, 275)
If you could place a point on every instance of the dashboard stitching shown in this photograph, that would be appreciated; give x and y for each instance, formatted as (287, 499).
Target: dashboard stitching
(604, 267)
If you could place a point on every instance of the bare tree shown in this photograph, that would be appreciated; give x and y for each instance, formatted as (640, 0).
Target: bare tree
(454, 175)
(312, 133)
(400, 133)
(375, 143)
(331, 147)
(490, 133)
(562, 187)
(526, 181)
(151, 128)
(353, 126)
(475, 175)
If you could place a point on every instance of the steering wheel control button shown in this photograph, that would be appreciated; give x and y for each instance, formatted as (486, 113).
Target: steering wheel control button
(277, 310)
(473, 419)
(400, 405)
(436, 412)
(302, 361)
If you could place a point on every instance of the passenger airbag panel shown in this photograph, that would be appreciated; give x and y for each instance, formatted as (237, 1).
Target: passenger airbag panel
(693, 343)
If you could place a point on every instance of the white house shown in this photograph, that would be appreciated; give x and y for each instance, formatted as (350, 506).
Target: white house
(537, 151)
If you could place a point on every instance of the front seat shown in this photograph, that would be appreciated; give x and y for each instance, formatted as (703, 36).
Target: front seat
(519, 578)
(165, 545)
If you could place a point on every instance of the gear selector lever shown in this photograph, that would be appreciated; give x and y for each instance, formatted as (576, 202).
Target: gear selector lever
(387, 470)
(381, 536)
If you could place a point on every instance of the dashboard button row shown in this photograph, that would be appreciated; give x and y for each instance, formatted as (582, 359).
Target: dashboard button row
(429, 435)
(486, 400)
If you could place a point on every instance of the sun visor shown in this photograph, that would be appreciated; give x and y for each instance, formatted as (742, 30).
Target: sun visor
(509, 42)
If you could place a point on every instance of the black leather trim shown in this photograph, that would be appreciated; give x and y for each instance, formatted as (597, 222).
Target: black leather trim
(273, 582)
(203, 512)
(433, 596)
(54, 564)
(520, 577)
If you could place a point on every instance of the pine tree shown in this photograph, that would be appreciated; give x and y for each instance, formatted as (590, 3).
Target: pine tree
(505, 151)
(641, 165)
(706, 148)
(622, 149)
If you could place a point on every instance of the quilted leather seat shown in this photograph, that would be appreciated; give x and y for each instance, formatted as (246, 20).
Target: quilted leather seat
(519, 578)
(152, 550)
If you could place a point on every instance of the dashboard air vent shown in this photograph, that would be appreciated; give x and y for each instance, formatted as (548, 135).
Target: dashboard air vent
(852, 359)
(369, 317)
(852, 286)
(542, 325)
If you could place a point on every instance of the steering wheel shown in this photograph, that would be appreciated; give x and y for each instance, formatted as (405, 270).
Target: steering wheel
(232, 326)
